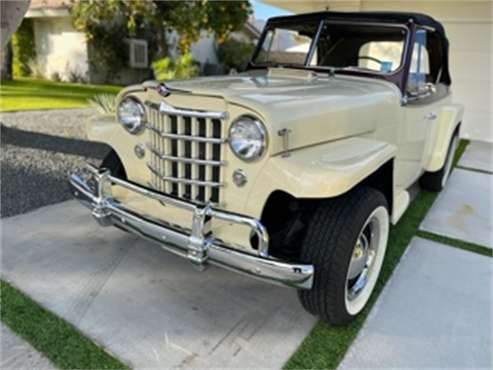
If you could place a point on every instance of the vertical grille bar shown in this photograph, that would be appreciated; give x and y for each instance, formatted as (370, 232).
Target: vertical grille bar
(208, 155)
(195, 154)
(167, 150)
(160, 146)
(181, 154)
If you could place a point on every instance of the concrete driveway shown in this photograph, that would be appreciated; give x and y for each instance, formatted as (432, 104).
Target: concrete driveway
(148, 307)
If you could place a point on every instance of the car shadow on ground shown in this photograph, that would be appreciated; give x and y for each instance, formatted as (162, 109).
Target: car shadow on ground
(36, 140)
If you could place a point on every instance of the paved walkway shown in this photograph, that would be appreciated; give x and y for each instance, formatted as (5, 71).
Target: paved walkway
(436, 310)
(148, 307)
(17, 354)
(434, 313)
(464, 209)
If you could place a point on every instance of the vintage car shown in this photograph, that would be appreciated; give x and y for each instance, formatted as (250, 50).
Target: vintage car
(293, 171)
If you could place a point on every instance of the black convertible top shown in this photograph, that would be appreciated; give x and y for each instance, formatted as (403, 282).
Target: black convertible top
(382, 17)
(374, 16)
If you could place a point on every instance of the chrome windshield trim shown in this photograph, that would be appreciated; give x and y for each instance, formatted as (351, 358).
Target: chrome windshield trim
(198, 139)
(184, 181)
(185, 160)
(168, 109)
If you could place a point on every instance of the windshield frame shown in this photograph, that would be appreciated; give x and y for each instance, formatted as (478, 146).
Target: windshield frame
(395, 76)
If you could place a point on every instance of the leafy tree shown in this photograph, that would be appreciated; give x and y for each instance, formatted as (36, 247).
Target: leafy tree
(235, 54)
(188, 18)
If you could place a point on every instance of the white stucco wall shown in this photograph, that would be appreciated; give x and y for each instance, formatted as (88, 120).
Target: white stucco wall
(59, 47)
(203, 51)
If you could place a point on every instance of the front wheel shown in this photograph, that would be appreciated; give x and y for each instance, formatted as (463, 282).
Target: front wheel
(346, 242)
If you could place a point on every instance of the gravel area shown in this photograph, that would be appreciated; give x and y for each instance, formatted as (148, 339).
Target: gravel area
(61, 122)
(35, 168)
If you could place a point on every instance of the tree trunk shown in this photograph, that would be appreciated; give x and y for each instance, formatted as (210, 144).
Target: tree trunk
(162, 44)
(11, 14)
(6, 63)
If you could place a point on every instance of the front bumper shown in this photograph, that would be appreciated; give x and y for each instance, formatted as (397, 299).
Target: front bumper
(92, 187)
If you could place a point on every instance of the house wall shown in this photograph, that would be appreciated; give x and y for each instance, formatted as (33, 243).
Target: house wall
(469, 27)
(59, 47)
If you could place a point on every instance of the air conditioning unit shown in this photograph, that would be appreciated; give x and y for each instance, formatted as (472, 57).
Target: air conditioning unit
(138, 53)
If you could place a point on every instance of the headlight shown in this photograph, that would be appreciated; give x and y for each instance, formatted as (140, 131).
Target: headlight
(131, 114)
(247, 138)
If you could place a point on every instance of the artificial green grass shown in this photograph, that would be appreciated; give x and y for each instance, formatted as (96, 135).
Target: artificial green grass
(58, 340)
(326, 345)
(28, 94)
(471, 247)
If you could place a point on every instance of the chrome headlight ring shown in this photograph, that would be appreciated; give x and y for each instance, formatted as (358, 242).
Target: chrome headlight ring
(248, 138)
(131, 115)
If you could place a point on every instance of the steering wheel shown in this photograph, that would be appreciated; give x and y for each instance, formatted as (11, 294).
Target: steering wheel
(367, 57)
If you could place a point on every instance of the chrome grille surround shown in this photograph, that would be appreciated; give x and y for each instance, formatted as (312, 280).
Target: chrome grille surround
(185, 149)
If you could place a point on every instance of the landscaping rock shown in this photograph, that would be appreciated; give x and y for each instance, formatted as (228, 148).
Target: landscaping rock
(60, 122)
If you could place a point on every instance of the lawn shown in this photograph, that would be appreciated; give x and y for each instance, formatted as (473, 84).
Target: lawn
(28, 94)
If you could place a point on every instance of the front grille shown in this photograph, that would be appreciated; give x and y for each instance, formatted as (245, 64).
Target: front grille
(185, 154)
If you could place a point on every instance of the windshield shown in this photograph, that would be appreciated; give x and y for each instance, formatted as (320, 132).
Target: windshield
(336, 45)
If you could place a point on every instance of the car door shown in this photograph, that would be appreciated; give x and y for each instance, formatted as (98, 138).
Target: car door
(421, 111)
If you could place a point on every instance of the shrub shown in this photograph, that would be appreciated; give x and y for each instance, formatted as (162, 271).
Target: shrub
(235, 54)
(36, 69)
(104, 103)
(182, 67)
(75, 76)
(23, 48)
(55, 76)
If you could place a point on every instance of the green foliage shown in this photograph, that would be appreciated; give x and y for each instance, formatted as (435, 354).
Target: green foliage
(235, 54)
(181, 68)
(23, 48)
(104, 103)
(188, 18)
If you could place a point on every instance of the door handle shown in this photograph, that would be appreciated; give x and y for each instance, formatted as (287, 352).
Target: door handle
(431, 116)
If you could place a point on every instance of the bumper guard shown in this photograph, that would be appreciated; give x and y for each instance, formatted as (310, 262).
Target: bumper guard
(92, 187)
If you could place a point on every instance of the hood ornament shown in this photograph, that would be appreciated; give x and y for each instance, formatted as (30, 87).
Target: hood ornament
(163, 90)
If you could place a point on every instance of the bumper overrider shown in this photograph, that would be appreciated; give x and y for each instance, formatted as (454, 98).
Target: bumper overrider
(92, 187)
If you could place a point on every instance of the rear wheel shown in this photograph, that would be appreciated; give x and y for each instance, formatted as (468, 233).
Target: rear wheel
(346, 242)
(436, 181)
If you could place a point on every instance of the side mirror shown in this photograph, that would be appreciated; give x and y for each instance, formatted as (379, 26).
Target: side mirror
(422, 91)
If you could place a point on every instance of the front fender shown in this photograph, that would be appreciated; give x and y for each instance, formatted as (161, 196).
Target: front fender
(320, 171)
(108, 131)
(441, 133)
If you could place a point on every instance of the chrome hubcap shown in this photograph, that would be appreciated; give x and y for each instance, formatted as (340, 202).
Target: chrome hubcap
(362, 259)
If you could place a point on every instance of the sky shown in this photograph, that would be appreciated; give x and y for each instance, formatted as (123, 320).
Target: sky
(263, 11)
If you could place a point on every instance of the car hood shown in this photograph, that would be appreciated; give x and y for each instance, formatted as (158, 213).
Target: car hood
(314, 108)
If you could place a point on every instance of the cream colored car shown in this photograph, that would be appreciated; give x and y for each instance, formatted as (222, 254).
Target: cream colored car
(293, 171)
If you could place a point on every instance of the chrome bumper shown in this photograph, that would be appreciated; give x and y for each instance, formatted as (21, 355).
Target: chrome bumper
(92, 187)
